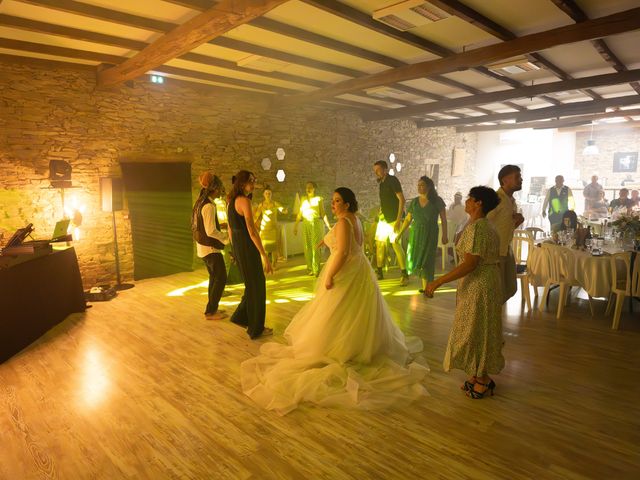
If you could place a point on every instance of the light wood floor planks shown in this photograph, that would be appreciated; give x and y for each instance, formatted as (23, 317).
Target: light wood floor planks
(143, 387)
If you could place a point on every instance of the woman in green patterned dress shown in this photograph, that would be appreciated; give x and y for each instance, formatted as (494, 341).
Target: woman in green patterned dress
(422, 216)
(313, 221)
(475, 342)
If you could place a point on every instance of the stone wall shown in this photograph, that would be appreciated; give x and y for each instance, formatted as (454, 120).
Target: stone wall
(609, 142)
(52, 111)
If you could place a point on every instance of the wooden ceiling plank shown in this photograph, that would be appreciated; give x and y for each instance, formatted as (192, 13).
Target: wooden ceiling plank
(524, 92)
(609, 25)
(569, 109)
(68, 32)
(578, 15)
(100, 13)
(224, 16)
(59, 51)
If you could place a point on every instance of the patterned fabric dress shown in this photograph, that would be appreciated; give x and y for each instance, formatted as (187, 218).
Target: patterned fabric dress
(475, 342)
(312, 231)
(268, 225)
(423, 237)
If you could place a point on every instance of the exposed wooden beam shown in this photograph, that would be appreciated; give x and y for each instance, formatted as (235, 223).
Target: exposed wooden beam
(221, 18)
(105, 14)
(603, 127)
(568, 121)
(578, 15)
(570, 109)
(577, 108)
(524, 92)
(460, 10)
(612, 24)
(360, 18)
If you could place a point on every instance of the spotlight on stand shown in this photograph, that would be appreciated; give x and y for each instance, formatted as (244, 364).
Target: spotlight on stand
(111, 192)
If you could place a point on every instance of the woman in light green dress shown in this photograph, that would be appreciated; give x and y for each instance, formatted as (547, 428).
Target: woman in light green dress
(422, 216)
(475, 342)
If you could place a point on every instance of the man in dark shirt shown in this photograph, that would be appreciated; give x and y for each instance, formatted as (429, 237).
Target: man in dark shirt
(623, 200)
(390, 219)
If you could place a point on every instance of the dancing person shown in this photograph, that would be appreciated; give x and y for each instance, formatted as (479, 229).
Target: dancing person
(266, 218)
(312, 215)
(390, 222)
(558, 200)
(210, 241)
(422, 218)
(505, 219)
(247, 251)
(344, 349)
(475, 341)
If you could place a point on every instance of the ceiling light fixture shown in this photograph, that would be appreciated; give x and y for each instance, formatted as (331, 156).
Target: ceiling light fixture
(591, 148)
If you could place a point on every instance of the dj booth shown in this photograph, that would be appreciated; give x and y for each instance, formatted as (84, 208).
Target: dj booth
(36, 293)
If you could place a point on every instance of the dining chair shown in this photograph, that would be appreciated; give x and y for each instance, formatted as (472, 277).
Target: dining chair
(451, 233)
(561, 272)
(621, 284)
(522, 245)
(534, 231)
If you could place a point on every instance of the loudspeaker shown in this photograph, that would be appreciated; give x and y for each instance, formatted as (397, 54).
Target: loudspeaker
(60, 174)
(111, 194)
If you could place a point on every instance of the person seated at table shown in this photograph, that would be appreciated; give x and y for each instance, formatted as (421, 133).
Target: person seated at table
(599, 208)
(635, 199)
(569, 221)
(623, 200)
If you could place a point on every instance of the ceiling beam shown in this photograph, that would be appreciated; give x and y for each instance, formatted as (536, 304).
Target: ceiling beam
(212, 23)
(578, 120)
(577, 108)
(356, 16)
(569, 109)
(494, 97)
(603, 126)
(578, 15)
(609, 25)
(460, 10)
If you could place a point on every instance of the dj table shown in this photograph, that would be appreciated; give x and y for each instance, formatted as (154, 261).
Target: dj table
(36, 293)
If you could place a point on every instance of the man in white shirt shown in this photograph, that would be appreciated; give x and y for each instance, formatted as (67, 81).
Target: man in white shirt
(505, 218)
(592, 193)
(559, 199)
(455, 212)
(210, 241)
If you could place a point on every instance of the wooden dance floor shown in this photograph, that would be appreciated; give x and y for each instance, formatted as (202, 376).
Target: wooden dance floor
(143, 387)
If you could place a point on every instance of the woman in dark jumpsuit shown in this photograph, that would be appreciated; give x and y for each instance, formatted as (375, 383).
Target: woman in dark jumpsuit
(250, 256)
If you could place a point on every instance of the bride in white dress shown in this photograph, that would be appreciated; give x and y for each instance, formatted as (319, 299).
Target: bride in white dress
(343, 347)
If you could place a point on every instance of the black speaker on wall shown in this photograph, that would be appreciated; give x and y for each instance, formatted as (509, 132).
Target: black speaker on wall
(60, 174)
(111, 194)
(112, 200)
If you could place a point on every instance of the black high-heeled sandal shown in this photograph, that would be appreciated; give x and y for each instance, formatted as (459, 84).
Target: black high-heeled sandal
(489, 387)
(468, 385)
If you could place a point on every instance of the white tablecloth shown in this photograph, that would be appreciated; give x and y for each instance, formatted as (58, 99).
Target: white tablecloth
(291, 244)
(593, 274)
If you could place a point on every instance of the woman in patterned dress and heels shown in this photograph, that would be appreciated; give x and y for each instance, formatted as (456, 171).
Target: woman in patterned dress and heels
(475, 342)
(312, 215)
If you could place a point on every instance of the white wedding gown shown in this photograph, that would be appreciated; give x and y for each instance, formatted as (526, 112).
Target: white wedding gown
(344, 348)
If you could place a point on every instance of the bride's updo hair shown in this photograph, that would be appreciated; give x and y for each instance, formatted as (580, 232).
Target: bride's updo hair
(348, 197)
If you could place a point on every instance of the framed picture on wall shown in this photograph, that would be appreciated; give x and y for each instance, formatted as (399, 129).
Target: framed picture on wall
(458, 161)
(625, 161)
